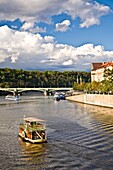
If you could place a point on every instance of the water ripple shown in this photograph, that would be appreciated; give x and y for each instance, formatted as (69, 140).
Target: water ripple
(79, 138)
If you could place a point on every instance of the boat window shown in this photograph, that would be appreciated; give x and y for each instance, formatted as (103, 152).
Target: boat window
(33, 123)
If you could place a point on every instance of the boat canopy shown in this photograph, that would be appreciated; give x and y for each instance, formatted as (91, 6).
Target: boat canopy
(33, 119)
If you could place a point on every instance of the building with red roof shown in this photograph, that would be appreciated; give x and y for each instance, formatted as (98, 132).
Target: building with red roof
(97, 70)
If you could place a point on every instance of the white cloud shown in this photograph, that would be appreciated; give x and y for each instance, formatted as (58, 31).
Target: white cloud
(91, 14)
(63, 26)
(14, 26)
(37, 29)
(27, 50)
(67, 63)
(29, 26)
(35, 11)
(88, 11)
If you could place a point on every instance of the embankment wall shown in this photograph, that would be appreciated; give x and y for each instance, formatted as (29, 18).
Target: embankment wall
(93, 99)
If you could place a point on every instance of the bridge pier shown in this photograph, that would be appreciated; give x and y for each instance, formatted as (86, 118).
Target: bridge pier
(47, 93)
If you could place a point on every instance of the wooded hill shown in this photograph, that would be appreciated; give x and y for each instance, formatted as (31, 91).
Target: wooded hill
(22, 78)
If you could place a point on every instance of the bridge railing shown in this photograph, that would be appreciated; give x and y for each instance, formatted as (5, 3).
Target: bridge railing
(36, 89)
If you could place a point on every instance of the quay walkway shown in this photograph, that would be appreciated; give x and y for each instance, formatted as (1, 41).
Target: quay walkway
(104, 100)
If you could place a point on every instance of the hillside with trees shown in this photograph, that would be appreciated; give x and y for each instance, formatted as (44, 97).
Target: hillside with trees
(25, 79)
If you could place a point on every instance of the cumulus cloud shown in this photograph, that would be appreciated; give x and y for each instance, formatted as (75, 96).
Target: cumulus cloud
(63, 26)
(67, 63)
(20, 49)
(92, 13)
(35, 11)
(29, 26)
(37, 29)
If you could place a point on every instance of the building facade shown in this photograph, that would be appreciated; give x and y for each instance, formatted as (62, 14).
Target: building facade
(97, 70)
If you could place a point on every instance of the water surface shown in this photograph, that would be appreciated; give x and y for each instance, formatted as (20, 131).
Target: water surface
(80, 137)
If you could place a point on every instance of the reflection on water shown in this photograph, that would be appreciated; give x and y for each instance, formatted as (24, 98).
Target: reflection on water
(101, 114)
(79, 136)
(33, 154)
(32, 149)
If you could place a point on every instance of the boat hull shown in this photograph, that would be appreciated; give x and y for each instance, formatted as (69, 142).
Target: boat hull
(31, 140)
(56, 97)
(12, 98)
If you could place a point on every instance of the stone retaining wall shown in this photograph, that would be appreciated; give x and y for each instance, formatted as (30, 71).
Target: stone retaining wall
(94, 99)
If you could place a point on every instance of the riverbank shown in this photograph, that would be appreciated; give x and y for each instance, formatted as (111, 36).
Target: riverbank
(93, 99)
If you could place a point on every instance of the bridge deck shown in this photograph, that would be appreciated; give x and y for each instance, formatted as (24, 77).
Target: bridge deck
(36, 89)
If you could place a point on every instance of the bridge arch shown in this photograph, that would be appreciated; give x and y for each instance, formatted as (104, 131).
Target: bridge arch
(43, 90)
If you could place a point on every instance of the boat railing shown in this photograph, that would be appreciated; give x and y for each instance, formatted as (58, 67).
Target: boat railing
(32, 127)
(35, 128)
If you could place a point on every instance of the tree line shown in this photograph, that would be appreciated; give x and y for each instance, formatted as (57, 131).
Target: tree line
(24, 79)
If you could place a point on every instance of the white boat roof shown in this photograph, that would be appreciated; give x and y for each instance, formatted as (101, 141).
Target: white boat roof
(33, 119)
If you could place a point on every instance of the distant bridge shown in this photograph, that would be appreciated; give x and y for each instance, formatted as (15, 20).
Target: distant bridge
(44, 90)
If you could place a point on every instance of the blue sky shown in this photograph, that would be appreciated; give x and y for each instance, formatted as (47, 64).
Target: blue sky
(54, 34)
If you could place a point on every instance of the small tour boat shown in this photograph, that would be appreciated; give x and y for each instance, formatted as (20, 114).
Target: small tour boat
(32, 130)
(62, 96)
(15, 96)
(11, 97)
(57, 96)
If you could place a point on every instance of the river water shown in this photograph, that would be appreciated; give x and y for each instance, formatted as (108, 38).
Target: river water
(80, 137)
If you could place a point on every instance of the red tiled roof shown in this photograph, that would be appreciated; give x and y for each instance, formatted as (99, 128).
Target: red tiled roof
(106, 64)
(96, 66)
